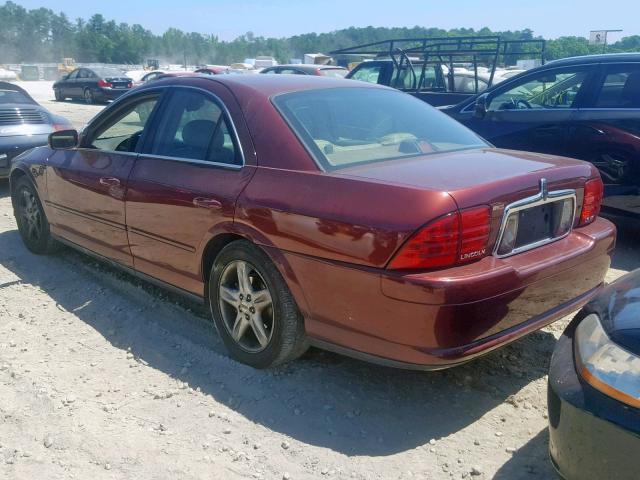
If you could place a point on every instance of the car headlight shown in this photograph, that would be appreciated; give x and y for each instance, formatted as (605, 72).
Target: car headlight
(605, 365)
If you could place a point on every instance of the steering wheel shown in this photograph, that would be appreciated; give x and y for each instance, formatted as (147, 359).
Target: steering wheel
(523, 102)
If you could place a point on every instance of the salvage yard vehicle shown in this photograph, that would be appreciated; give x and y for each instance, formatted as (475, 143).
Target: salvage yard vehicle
(96, 84)
(302, 69)
(594, 388)
(583, 107)
(429, 68)
(24, 124)
(310, 210)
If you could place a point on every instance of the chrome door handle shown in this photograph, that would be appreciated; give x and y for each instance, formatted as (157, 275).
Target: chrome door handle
(204, 202)
(109, 182)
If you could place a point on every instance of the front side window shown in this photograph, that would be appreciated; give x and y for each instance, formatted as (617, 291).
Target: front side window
(342, 127)
(291, 71)
(194, 127)
(548, 90)
(333, 72)
(621, 88)
(367, 73)
(122, 132)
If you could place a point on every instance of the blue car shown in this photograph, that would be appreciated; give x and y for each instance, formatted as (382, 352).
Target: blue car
(582, 107)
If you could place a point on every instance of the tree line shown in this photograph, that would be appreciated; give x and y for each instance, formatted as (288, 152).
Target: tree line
(42, 35)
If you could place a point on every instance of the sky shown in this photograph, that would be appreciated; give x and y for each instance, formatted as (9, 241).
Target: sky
(279, 18)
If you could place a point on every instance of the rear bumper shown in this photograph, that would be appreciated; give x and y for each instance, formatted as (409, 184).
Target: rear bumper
(11, 147)
(106, 94)
(440, 319)
(591, 436)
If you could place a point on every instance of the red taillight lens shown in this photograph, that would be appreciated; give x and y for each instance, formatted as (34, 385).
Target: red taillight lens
(456, 238)
(436, 245)
(592, 200)
(475, 225)
(104, 84)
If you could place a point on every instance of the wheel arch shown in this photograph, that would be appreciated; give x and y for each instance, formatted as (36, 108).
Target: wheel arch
(243, 232)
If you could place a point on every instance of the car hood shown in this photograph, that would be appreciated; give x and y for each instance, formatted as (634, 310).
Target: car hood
(479, 175)
(618, 306)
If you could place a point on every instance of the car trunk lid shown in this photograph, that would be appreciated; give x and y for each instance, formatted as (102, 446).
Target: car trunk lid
(119, 82)
(507, 181)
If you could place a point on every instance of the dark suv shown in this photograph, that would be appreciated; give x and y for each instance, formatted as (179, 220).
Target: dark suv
(583, 107)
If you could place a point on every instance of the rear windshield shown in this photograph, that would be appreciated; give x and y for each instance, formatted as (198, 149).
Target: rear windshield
(108, 72)
(12, 96)
(342, 127)
(333, 72)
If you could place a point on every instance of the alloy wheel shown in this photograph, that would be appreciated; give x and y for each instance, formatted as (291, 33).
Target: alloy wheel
(246, 306)
(88, 97)
(30, 213)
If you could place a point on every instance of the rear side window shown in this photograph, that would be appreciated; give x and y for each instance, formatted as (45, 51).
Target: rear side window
(194, 127)
(621, 87)
(347, 126)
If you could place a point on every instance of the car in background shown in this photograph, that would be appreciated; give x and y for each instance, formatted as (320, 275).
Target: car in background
(281, 202)
(583, 107)
(594, 388)
(95, 84)
(24, 124)
(302, 69)
(213, 70)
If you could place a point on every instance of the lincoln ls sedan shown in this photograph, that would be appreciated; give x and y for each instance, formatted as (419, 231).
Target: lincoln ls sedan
(313, 211)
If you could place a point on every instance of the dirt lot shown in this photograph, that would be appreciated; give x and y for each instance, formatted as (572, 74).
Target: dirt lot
(102, 376)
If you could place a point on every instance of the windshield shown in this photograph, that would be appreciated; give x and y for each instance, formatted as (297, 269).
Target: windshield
(347, 126)
(13, 96)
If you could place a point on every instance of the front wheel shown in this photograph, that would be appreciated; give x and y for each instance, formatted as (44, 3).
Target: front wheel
(32, 221)
(253, 309)
(58, 94)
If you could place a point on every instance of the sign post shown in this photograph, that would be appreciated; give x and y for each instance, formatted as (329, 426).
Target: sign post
(599, 37)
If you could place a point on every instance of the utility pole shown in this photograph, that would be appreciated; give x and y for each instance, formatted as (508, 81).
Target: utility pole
(599, 37)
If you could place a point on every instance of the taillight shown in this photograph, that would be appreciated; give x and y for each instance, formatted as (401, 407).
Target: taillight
(104, 84)
(456, 238)
(475, 224)
(592, 200)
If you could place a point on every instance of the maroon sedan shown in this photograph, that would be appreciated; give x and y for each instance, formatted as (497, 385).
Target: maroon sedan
(319, 211)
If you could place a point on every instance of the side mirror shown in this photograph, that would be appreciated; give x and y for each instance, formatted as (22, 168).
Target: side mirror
(481, 106)
(63, 139)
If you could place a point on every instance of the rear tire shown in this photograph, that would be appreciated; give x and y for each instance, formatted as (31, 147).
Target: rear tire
(32, 221)
(89, 99)
(253, 309)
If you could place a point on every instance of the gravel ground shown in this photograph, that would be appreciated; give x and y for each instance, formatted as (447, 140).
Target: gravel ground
(103, 376)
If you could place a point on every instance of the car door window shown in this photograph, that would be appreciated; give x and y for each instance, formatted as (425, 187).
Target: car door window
(544, 90)
(84, 74)
(367, 73)
(194, 127)
(122, 132)
(620, 88)
(73, 75)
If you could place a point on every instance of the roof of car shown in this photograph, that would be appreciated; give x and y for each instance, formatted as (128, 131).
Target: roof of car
(602, 58)
(269, 85)
(307, 66)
